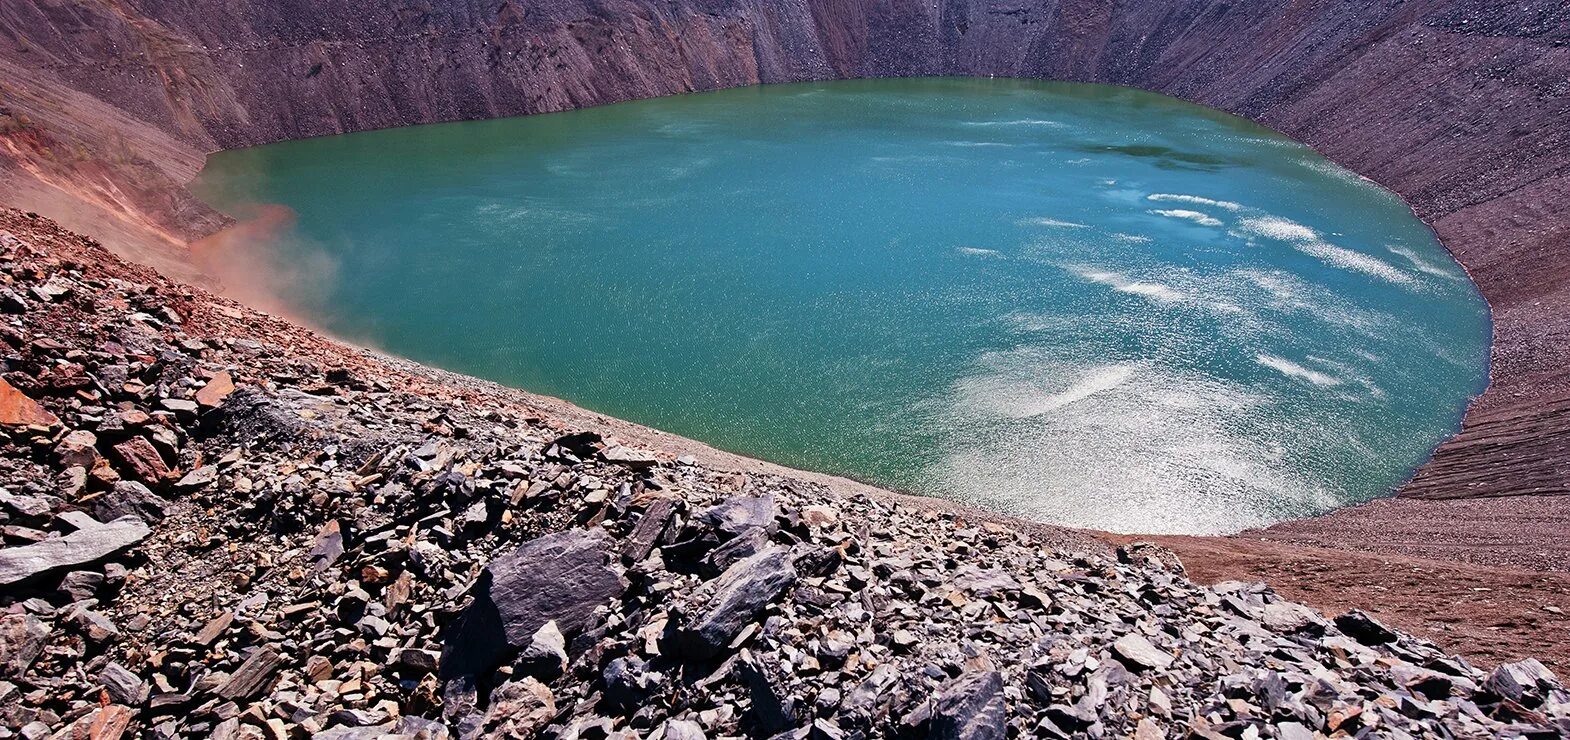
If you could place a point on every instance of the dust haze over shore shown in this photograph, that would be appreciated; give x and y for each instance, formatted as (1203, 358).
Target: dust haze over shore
(251, 263)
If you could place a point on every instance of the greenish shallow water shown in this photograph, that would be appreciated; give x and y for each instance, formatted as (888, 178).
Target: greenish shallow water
(1081, 304)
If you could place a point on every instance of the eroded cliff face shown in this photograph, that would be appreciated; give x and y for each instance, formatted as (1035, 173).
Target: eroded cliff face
(1461, 106)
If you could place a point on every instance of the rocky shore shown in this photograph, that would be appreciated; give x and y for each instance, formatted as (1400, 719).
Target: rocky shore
(217, 524)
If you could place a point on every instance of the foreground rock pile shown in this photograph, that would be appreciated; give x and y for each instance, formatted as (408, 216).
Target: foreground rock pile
(217, 525)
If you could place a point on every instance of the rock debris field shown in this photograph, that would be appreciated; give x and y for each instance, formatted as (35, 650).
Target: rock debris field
(216, 524)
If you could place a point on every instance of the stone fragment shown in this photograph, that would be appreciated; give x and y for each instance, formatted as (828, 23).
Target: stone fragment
(519, 709)
(423, 661)
(199, 478)
(680, 729)
(651, 525)
(253, 676)
(79, 448)
(216, 390)
(213, 629)
(1524, 682)
(142, 461)
(22, 640)
(739, 595)
(545, 657)
(130, 498)
(81, 547)
(123, 686)
(1364, 628)
(327, 547)
(1140, 654)
(17, 410)
(1287, 617)
(630, 457)
(970, 707)
(739, 514)
(560, 577)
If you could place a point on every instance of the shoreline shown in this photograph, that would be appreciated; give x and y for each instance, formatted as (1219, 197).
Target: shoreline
(283, 534)
(1479, 157)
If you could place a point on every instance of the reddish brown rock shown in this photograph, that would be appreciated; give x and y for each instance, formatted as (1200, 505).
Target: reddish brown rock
(141, 461)
(216, 390)
(79, 448)
(17, 410)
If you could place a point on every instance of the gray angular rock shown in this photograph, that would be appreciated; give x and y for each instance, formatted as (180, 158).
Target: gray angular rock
(560, 577)
(738, 596)
(545, 657)
(680, 729)
(129, 498)
(81, 547)
(253, 676)
(1140, 654)
(970, 707)
(123, 686)
(738, 514)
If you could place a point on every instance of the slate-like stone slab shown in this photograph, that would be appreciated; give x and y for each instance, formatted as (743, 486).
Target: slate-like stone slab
(560, 577)
(76, 549)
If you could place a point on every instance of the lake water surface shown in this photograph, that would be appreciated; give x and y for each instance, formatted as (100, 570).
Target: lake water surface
(1080, 304)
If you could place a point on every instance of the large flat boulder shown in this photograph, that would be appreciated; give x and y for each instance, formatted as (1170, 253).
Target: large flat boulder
(560, 577)
(86, 545)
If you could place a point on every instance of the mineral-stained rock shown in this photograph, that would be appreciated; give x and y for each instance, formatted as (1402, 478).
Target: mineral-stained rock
(142, 461)
(1140, 654)
(217, 389)
(16, 409)
(519, 709)
(738, 597)
(560, 577)
(22, 639)
(81, 547)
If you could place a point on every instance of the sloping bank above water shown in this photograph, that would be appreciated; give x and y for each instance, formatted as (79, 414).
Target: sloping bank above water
(348, 544)
(1456, 105)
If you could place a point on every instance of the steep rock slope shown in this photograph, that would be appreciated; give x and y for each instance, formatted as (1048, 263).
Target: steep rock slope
(1461, 106)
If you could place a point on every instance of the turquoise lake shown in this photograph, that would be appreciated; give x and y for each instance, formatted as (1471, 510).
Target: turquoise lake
(1079, 304)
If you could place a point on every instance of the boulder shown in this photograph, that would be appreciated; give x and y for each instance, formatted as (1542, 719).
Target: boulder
(1139, 654)
(81, 547)
(738, 514)
(141, 461)
(17, 410)
(130, 498)
(560, 577)
(216, 390)
(967, 708)
(738, 597)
